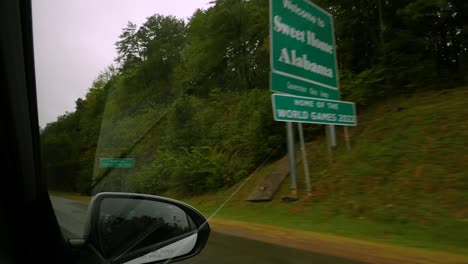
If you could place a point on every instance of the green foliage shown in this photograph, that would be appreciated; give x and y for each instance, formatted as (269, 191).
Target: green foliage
(197, 91)
(183, 129)
(226, 48)
(418, 43)
(188, 171)
(201, 169)
(217, 141)
(364, 87)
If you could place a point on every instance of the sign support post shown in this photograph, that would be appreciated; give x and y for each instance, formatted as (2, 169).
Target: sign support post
(346, 135)
(331, 140)
(304, 158)
(329, 149)
(291, 158)
(122, 178)
(332, 135)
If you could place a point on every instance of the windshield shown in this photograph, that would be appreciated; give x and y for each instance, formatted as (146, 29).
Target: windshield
(305, 131)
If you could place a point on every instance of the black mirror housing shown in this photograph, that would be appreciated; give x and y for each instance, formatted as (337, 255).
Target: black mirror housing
(139, 228)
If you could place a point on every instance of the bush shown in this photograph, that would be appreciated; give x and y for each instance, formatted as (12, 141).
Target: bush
(363, 87)
(210, 143)
(189, 171)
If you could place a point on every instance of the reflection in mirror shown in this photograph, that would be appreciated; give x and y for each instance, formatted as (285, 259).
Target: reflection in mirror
(175, 249)
(127, 225)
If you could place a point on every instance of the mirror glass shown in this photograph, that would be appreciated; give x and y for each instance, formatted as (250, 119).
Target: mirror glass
(128, 226)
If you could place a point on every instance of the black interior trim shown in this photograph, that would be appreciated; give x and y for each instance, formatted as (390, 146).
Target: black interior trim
(33, 234)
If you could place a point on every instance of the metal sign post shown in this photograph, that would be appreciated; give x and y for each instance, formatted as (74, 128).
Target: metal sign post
(291, 158)
(331, 141)
(346, 135)
(304, 158)
(329, 149)
(332, 134)
(122, 176)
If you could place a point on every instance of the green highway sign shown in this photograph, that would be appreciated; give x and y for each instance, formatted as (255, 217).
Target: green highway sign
(290, 108)
(303, 52)
(116, 163)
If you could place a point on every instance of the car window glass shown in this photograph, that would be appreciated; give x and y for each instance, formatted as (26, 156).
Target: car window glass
(285, 122)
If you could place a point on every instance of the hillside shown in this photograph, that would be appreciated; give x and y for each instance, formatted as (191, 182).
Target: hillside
(188, 100)
(404, 181)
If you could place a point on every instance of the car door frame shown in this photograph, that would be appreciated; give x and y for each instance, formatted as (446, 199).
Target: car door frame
(29, 231)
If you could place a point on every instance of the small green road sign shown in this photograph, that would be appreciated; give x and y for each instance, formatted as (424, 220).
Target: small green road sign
(116, 163)
(290, 108)
(303, 50)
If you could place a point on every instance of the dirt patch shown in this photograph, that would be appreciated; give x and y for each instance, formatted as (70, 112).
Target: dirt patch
(359, 250)
(462, 213)
(419, 171)
(444, 127)
(464, 159)
(300, 206)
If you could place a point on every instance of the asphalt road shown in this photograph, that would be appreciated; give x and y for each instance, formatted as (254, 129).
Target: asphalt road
(71, 216)
(220, 248)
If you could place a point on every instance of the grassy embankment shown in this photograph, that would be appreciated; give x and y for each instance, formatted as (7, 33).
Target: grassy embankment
(404, 182)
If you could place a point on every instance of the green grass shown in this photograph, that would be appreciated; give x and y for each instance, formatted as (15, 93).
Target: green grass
(404, 182)
(450, 236)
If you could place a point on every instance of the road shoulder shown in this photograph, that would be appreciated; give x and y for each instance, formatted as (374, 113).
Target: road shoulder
(354, 249)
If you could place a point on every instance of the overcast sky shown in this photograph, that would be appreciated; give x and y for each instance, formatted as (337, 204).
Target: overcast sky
(74, 41)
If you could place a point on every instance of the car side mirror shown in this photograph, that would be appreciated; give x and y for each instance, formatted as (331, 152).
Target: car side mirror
(137, 228)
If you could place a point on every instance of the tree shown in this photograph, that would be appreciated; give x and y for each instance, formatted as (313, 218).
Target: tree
(129, 48)
(227, 47)
(194, 95)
